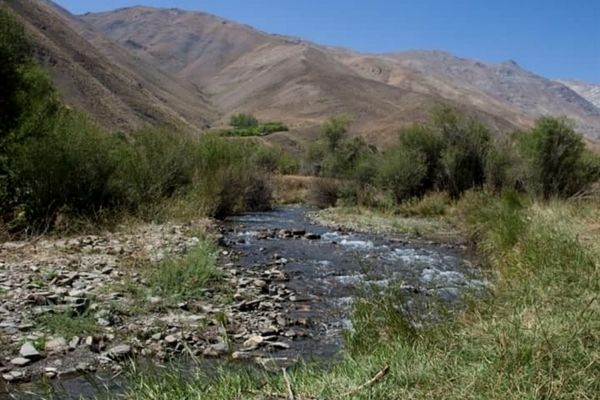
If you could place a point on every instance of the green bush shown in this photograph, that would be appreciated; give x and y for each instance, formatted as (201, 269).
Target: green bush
(150, 165)
(559, 163)
(69, 168)
(402, 172)
(335, 130)
(243, 121)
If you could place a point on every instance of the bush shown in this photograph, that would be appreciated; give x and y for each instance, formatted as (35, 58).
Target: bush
(225, 174)
(463, 160)
(243, 121)
(431, 144)
(334, 130)
(402, 172)
(324, 193)
(274, 159)
(151, 165)
(558, 161)
(68, 168)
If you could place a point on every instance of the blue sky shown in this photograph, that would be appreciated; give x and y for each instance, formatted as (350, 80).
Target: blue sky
(554, 38)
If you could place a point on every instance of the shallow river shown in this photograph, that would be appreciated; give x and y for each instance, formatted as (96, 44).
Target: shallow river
(327, 270)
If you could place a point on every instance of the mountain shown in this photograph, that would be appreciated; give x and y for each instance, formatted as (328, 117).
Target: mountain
(146, 66)
(278, 77)
(589, 91)
(101, 78)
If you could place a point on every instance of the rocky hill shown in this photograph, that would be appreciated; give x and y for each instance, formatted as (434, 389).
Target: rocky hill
(589, 91)
(99, 77)
(244, 69)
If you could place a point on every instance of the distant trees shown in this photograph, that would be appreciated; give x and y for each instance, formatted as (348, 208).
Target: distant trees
(454, 153)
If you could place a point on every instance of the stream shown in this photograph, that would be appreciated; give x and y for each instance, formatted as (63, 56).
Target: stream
(326, 269)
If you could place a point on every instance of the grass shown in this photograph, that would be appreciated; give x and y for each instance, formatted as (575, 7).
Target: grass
(68, 325)
(186, 277)
(536, 337)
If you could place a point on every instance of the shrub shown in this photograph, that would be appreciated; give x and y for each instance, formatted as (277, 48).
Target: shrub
(274, 159)
(463, 160)
(334, 130)
(151, 165)
(559, 163)
(431, 144)
(324, 193)
(243, 121)
(402, 172)
(68, 168)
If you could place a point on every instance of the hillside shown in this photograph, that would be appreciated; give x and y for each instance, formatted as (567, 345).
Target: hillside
(589, 91)
(278, 77)
(102, 79)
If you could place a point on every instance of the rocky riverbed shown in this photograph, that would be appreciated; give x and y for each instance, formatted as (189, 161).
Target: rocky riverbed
(288, 286)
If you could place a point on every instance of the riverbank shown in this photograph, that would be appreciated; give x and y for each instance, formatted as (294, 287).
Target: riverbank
(536, 337)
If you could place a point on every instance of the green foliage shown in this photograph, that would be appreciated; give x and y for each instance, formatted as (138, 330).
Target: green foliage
(68, 325)
(559, 163)
(401, 172)
(243, 121)
(430, 144)
(244, 125)
(463, 160)
(275, 159)
(150, 165)
(68, 168)
(187, 277)
(334, 130)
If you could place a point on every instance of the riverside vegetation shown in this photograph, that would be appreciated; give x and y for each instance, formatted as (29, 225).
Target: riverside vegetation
(527, 202)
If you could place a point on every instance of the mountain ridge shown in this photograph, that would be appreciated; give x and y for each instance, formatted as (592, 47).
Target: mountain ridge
(275, 76)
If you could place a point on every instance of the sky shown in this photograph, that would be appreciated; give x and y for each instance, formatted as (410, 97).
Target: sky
(553, 38)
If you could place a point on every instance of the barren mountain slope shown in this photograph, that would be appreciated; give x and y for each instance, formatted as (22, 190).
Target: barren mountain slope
(119, 93)
(273, 76)
(504, 89)
(279, 77)
(589, 91)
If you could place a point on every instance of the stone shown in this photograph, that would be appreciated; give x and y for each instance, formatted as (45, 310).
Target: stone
(171, 340)
(50, 372)
(56, 345)
(215, 350)
(119, 352)
(20, 361)
(29, 351)
(74, 342)
(254, 341)
(14, 376)
(278, 345)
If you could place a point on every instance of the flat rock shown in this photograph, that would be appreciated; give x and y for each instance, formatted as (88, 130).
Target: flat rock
(20, 361)
(29, 351)
(56, 345)
(119, 352)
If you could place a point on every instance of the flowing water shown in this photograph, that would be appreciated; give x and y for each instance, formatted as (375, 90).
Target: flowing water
(327, 269)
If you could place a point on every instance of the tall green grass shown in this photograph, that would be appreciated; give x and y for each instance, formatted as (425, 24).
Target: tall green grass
(186, 277)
